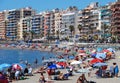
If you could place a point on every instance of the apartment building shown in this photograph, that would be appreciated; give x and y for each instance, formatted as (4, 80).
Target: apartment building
(89, 17)
(13, 18)
(68, 19)
(58, 23)
(49, 23)
(115, 19)
(2, 25)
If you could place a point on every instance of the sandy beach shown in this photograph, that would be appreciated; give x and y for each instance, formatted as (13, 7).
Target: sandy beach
(72, 79)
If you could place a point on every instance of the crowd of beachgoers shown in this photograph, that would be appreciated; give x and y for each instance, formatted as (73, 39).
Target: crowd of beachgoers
(74, 59)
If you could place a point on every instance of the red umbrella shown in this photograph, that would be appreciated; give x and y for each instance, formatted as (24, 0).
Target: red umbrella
(82, 54)
(18, 66)
(81, 51)
(96, 60)
(105, 50)
(64, 64)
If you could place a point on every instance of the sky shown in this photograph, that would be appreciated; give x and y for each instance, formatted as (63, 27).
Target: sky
(43, 5)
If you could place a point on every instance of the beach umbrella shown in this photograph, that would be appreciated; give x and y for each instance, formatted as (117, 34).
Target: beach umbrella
(71, 57)
(63, 64)
(109, 53)
(75, 62)
(52, 67)
(82, 51)
(19, 66)
(89, 59)
(99, 64)
(93, 51)
(99, 49)
(105, 50)
(58, 66)
(96, 60)
(83, 70)
(111, 49)
(101, 55)
(61, 60)
(82, 54)
(93, 55)
(4, 66)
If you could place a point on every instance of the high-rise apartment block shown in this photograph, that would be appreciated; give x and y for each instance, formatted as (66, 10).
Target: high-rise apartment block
(2, 25)
(115, 22)
(16, 23)
(13, 18)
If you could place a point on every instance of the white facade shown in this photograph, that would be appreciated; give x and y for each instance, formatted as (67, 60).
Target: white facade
(68, 19)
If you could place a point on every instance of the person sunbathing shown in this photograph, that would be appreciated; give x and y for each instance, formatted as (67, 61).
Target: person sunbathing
(61, 76)
(82, 79)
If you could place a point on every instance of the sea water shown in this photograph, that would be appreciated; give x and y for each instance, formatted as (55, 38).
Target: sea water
(12, 56)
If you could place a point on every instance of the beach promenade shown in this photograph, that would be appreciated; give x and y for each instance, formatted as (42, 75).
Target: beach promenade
(73, 79)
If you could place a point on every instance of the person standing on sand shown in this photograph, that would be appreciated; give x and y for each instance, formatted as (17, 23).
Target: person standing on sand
(42, 78)
(36, 62)
(116, 69)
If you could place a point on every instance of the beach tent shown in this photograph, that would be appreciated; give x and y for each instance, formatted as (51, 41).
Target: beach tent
(19, 66)
(101, 55)
(4, 66)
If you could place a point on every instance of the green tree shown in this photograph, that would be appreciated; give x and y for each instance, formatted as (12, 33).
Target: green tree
(72, 29)
(91, 30)
(79, 28)
(105, 28)
(25, 34)
(32, 33)
(57, 33)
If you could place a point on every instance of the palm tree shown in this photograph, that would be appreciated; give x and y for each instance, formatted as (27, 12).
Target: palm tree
(91, 30)
(79, 28)
(25, 34)
(32, 33)
(57, 33)
(105, 27)
(72, 29)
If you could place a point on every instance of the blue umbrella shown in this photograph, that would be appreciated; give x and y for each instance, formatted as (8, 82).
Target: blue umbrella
(101, 55)
(93, 55)
(4, 66)
(100, 64)
(52, 67)
(99, 49)
(71, 57)
(111, 49)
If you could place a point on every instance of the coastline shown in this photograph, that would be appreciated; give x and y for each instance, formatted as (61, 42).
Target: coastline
(73, 79)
